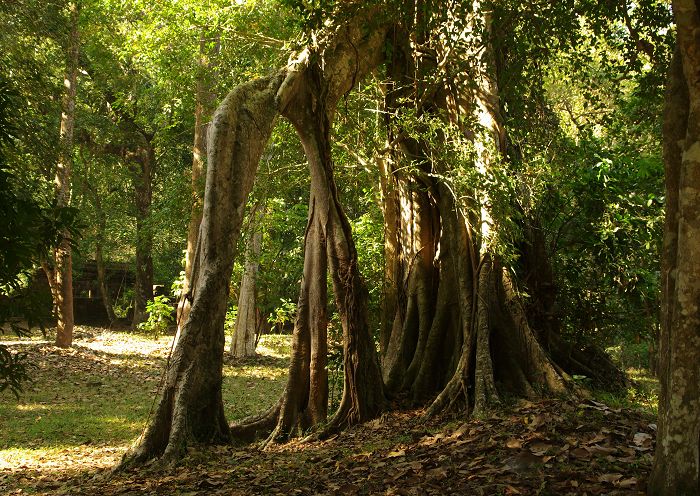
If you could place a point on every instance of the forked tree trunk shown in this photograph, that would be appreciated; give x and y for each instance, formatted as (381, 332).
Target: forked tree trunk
(60, 275)
(244, 336)
(363, 396)
(191, 407)
(312, 94)
(677, 461)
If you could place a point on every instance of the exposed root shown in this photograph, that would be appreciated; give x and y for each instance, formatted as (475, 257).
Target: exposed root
(256, 427)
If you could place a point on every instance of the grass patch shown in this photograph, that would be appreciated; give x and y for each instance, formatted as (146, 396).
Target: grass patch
(643, 395)
(253, 385)
(93, 400)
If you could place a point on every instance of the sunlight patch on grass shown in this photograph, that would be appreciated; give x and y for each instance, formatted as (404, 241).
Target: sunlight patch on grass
(58, 458)
(275, 345)
(253, 385)
(32, 407)
(88, 403)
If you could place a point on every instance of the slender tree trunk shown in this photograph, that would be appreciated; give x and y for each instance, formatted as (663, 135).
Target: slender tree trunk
(305, 400)
(99, 259)
(144, 159)
(205, 99)
(102, 282)
(677, 461)
(244, 337)
(61, 274)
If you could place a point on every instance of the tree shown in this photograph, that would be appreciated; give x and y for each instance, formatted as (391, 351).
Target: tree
(244, 338)
(455, 329)
(677, 464)
(205, 99)
(28, 232)
(60, 275)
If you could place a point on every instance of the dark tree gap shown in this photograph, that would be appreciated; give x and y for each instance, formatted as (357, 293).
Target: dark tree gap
(455, 334)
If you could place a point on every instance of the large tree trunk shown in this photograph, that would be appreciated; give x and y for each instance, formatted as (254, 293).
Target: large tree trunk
(205, 99)
(310, 97)
(191, 407)
(311, 114)
(144, 159)
(244, 336)
(454, 324)
(60, 276)
(677, 462)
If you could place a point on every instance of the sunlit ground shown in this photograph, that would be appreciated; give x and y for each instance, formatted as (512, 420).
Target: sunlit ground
(643, 394)
(87, 404)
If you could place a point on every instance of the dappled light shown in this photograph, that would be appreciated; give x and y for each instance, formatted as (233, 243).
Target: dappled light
(83, 414)
(62, 433)
(390, 247)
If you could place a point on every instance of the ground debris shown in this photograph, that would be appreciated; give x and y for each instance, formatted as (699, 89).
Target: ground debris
(551, 446)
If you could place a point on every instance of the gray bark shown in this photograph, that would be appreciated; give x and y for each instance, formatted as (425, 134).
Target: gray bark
(191, 406)
(677, 461)
(244, 337)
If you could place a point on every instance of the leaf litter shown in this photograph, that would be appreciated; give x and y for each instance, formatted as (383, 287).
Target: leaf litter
(547, 447)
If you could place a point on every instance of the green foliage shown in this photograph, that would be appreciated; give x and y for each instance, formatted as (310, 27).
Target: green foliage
(230, 321)
(160, 316)
(123, 303)
(29, 229)
(14, 371)
(283, 314)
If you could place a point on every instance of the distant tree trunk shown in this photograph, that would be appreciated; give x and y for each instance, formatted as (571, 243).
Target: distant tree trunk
(60, 276)
(205, 100)
(102, 283)
(244, 337)
(677, 461)
(143, 159)
(99, 257)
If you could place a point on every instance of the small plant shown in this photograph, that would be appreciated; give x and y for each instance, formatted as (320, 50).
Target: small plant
(283, 314)
(178, 285)
(123, 303)
(231, 317)
(14, 371)
(160, 316)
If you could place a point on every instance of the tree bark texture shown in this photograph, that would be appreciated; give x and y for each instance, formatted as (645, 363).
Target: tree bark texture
(308, 98)
(677, 461)
(60, 276)
(191, 407)
(244, 336)
(454, 323)
(455, 328)
(205, 104)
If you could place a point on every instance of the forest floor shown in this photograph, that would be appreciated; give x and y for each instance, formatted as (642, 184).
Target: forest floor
(87, 404)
